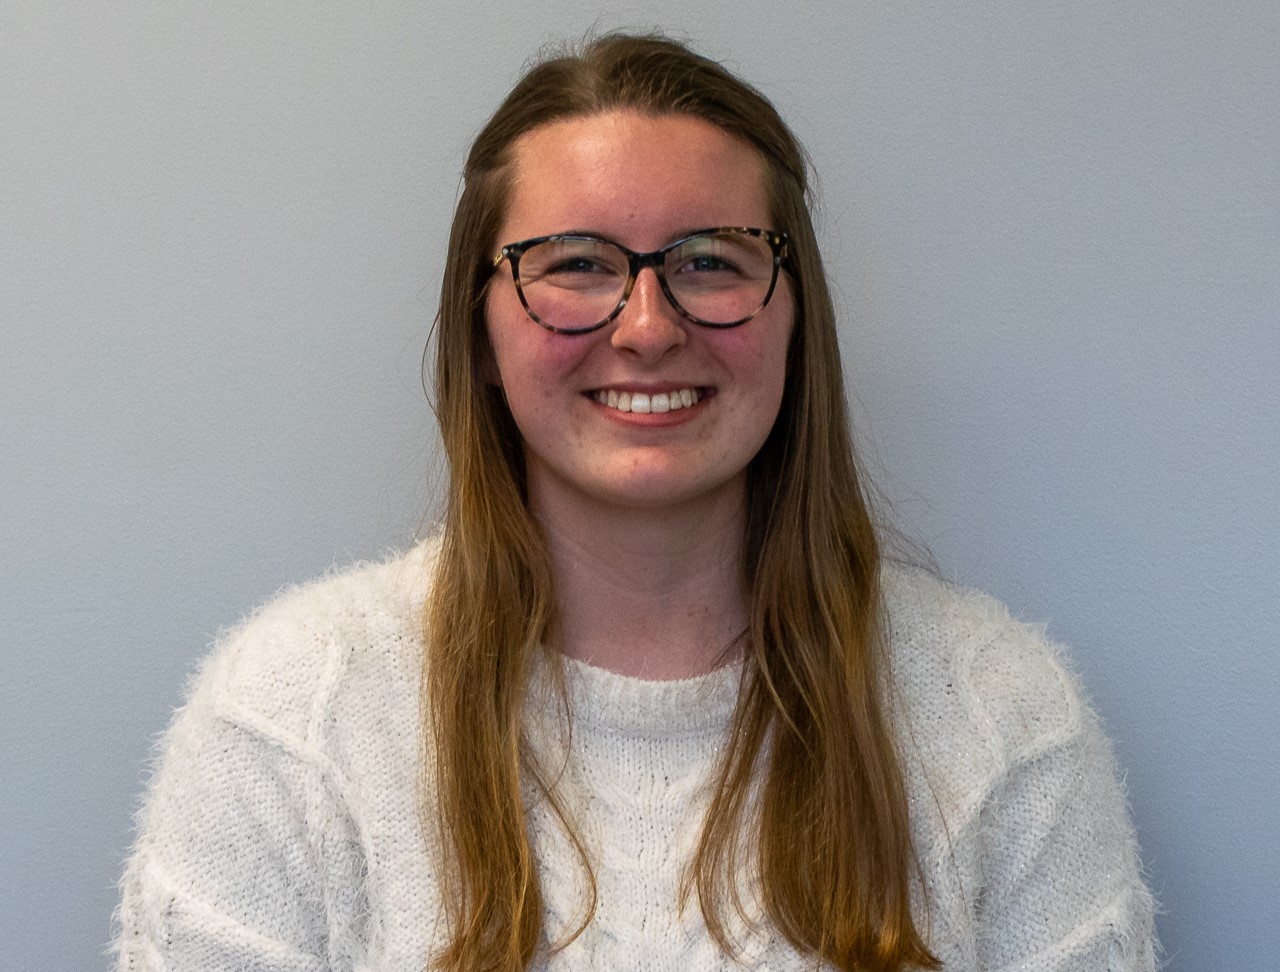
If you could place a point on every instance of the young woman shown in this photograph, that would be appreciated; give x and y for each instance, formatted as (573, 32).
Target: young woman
(652, 699)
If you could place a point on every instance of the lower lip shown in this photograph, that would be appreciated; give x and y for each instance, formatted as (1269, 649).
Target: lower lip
(653, 420)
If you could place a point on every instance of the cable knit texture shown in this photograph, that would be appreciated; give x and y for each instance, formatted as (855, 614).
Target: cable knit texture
(282, 832)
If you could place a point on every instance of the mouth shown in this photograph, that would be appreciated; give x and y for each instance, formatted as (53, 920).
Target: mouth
(645, 403)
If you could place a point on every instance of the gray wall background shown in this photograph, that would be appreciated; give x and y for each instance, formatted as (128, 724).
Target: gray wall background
(1054, 228)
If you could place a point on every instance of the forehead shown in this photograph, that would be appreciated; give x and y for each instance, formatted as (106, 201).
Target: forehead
(640, 179)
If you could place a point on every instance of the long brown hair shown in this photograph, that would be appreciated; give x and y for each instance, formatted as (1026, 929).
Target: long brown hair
(829, 830)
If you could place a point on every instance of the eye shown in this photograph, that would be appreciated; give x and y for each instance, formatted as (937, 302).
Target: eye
(719, 259)
(577, 264)
(707, 263)
(573, 264)
(706, 257)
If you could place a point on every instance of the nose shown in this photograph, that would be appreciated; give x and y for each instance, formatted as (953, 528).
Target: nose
(648, 326)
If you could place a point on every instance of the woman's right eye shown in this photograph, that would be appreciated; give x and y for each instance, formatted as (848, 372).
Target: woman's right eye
(577, 264)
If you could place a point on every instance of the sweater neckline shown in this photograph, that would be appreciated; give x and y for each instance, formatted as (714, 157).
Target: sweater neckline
(607, 701)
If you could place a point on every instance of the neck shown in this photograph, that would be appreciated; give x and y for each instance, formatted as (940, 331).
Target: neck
(652, 593)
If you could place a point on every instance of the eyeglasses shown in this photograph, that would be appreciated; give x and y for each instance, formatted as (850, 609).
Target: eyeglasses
(573, 284)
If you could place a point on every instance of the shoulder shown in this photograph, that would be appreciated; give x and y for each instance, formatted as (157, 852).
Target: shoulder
(1018, 812)
(964, 668)
(248, 840)
(283, 667)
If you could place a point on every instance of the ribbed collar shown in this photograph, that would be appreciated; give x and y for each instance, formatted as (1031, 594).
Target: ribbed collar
(608, 702)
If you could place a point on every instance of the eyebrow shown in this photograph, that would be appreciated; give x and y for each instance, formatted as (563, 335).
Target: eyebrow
(680, 234)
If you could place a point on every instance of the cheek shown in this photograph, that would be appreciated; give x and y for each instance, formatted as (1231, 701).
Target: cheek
(515, 341)
(500, 336)
(783, 338)
(488, 364)
(531, 364)
(768, 371)
(760, 357)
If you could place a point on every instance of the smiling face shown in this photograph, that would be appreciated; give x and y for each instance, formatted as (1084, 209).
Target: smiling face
(590, 407)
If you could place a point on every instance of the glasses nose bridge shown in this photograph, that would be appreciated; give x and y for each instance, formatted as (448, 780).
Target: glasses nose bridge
(657, 259)
(639, 261)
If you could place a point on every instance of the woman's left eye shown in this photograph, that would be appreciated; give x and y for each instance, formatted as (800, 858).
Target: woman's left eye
(707, 263)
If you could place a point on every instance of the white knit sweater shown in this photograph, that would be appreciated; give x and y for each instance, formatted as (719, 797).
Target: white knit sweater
(282, 831)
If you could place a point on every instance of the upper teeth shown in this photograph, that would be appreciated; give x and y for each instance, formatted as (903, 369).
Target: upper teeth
(643, 404)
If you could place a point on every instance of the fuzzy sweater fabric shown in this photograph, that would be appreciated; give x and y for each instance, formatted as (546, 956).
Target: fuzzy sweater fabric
(282, 831)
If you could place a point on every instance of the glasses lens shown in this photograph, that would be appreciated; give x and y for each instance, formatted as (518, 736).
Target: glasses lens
(573, 284)
(721, 278)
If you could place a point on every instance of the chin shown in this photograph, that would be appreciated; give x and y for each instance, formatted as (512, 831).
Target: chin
(665, 492)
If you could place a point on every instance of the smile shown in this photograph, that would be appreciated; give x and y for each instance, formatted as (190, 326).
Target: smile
(644, 404)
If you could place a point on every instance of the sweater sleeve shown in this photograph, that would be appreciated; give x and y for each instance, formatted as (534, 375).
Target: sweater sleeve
(1062, 889)
(223, 875)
